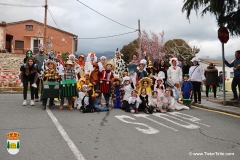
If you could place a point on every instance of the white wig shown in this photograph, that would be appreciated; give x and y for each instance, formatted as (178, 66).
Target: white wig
(88, 59)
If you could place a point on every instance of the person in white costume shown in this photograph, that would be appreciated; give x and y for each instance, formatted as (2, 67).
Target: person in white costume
(91, 57)
(174, 73)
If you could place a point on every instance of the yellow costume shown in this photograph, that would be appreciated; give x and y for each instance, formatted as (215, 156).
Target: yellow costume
(148, 87)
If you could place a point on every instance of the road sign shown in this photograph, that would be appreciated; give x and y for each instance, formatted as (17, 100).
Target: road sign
(223, 34)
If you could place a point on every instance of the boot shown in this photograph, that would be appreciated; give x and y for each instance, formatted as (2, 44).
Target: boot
(136, 110)
(61, 107)
(70, 107)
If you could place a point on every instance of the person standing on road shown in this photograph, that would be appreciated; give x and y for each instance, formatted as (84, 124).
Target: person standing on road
(39, 58)
(236, 79)
(220, 78)
(211, 74)
(196, 76)
(29, 74)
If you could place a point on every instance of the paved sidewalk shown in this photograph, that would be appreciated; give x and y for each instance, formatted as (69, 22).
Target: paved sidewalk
(216, 104)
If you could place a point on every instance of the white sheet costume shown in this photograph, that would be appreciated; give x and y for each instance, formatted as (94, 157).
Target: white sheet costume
(174, 72)
(91, 57)
(174, 105)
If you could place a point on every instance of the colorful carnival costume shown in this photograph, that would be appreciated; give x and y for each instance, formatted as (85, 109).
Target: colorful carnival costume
(105, 80)
(145, 83)
(120, 64)
(117, 93)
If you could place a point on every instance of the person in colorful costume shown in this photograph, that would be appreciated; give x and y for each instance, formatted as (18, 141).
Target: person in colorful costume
(120, 64)
(174, 72)
(91, 58)
(117, 93)
(105, 81)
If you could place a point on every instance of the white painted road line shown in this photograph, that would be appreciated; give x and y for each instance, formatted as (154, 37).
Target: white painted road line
(161, 124)
(65, 136)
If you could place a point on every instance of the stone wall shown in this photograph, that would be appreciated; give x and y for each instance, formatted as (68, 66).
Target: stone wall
(9, 69)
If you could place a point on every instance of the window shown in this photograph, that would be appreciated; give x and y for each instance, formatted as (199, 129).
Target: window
(19, 44)
(231, 74)
(29, 27)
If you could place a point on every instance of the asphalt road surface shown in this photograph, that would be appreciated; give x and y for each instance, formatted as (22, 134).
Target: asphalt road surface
(116, 135)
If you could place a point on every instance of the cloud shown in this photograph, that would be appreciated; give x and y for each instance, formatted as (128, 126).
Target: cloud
(155, 15)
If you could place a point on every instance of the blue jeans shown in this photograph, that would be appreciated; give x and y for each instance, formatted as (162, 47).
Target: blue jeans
(69, 100)
(103, 108)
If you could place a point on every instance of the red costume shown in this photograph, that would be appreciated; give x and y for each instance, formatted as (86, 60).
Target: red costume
(105, 81)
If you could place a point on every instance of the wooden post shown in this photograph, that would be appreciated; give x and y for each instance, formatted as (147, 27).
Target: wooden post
(45, 25)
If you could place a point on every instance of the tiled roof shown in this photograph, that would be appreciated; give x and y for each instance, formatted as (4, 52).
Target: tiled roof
(30, 20)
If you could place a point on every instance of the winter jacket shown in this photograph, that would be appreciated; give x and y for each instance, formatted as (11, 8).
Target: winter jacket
(235, 64)
(211, 74)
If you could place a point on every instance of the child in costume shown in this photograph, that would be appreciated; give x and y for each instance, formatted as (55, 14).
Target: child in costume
(156, 102)
(81, 92)
(172, 103)
(117, 93)
(69, 74)
(29, 73)
(141, 72)
(91, 58)
(97, 102)
(105, 80)
(144, 105)
(87, 103)
(186, 87)
(127, 88)
(50, 74)
(159, 86)
(95, 76)
(132, 69)
(134, 101)
(145, 83)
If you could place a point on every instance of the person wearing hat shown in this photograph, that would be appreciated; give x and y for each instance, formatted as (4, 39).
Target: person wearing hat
(116, 92)
(186, 87)
(95, 76)
(120, 64)
(91, 58)
(69, 74)
(105, 80)
(196, 76)
(174, 72)
(141, 73)
(159, 86)
(151, 70)
(145, 83)
(127, 87)
(50, 74)
(80, 61)
(77, 68)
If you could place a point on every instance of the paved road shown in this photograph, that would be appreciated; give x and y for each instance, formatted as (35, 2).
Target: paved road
(116, 135)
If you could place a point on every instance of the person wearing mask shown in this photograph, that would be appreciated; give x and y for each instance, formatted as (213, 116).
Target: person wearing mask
(196, 76)
(236, 79)
(39, 58)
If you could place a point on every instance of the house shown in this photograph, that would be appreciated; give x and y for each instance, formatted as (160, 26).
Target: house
(28, 34)
(218, 64)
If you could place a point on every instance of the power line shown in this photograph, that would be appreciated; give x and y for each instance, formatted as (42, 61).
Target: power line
(53, 18)
(105, 16)
(110, 36)
(18, 5)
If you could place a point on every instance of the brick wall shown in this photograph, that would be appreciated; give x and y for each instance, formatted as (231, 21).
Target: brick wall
(9, 70)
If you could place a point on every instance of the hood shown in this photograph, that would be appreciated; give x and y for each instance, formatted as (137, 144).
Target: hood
(211, 69)
(173, 59)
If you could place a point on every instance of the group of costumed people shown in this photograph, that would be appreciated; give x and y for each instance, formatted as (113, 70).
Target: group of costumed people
(137, 86)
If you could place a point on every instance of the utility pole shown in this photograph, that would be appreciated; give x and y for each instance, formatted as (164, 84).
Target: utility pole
(45, 24)
(139, 37)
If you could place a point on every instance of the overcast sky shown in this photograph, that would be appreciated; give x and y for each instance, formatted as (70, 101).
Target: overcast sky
(155, 15)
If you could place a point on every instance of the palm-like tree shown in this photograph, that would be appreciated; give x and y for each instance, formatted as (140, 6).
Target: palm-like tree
(227, 12)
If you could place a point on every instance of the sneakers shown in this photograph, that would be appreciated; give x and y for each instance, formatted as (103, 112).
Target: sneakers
(34, 85)
(32, 103)
(36, 100)
(24, 103)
